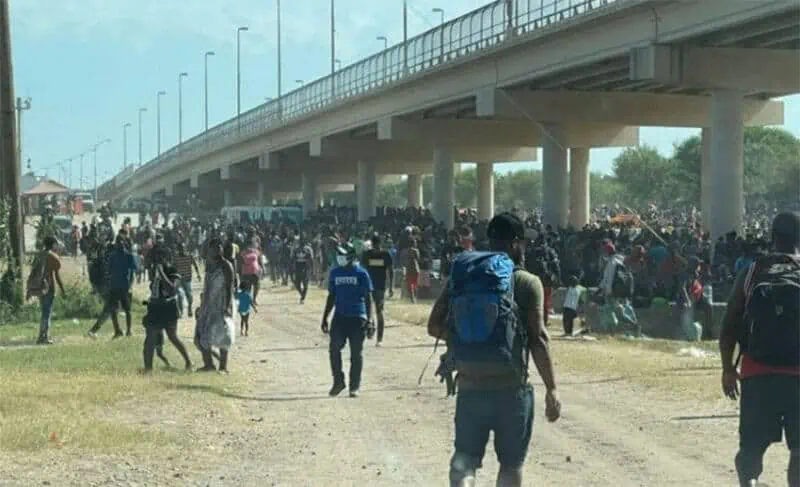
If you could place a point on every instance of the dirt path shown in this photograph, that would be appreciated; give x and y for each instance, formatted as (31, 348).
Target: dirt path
(285, 431)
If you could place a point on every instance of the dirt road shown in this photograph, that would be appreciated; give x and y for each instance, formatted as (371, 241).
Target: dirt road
(285, 431)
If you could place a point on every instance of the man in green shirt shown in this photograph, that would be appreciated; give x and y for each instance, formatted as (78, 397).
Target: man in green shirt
(496, 399)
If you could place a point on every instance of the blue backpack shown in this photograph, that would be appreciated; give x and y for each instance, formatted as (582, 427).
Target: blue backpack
(485, 333)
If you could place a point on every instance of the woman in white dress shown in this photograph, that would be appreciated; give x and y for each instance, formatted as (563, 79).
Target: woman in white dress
(215, 326)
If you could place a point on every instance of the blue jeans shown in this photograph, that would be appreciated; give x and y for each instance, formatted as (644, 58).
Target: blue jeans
(507, 412)
(47, 311)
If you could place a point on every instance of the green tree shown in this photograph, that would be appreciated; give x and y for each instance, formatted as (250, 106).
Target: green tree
(646, 176)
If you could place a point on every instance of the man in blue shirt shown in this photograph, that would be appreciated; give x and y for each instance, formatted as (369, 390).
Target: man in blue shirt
(121, 268)
(349, 289)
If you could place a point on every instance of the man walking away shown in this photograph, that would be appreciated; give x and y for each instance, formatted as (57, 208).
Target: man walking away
(45, 274)
(763, 317)
(617, 287)
(184, 262)
(492, 313)
(412, 270)
(380, 268)
(349, 289)
(122, 269)
(303, 263)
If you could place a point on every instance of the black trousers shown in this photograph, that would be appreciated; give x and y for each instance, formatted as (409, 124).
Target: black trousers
(769, 409)
(379, 298)
(301, 282)
(346, 329)
(569, 316)
(154, 341)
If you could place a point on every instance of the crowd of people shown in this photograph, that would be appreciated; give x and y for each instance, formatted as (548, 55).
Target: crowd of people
(629, 259)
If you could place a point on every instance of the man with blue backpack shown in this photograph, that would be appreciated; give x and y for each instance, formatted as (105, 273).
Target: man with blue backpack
(491, 313)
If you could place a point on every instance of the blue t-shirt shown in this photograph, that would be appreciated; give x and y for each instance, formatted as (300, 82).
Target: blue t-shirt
(350, 285)
(121, 265)
(245, 302)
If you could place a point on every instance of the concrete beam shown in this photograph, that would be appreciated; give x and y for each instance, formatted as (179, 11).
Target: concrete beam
(646, 109)
(742, 69)
(457, 132)
(194, 181)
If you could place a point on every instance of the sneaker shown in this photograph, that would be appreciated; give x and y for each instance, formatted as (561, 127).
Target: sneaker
(336, 390)
(378, 344)
(117, 335)
(354, 393)
(44, 341)
(91, 334)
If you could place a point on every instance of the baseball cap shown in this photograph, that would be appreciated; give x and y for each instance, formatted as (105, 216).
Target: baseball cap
(505, 226)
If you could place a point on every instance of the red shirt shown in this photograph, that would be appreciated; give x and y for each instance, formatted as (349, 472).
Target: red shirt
(751, 368)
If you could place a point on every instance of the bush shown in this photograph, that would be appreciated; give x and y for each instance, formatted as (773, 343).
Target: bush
(78, 302)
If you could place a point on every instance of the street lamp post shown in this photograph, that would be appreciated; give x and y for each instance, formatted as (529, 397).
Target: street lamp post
(239, 69)
(23, 104)
(333, 48)
(208, 53)
(125, 145)
(180, 106)
(338, 64)
(158, 120)
(141, 111)
(280, 92)
(80, 183)
(441, 32)
(94, 150)
(383, 57)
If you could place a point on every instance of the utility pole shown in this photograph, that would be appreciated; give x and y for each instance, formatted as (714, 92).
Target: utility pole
(9, 165)
(23, 104)
(333, 48)
(280, 76)
(405, 37)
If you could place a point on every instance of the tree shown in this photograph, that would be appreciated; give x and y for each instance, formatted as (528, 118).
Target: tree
(646, 176)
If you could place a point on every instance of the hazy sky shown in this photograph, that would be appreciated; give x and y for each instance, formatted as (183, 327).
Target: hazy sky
(89, 65)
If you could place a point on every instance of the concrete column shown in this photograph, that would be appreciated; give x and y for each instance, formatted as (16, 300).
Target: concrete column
(227, 197)
(415, 191)
(727, 162)
(366, 190)
(579, 187)
(443, 187)
(705, 178)
(555, 181)
(485, 191)
(310, 194)
(261, 194)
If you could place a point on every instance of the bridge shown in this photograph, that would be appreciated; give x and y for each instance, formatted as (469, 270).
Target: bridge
(493, 86)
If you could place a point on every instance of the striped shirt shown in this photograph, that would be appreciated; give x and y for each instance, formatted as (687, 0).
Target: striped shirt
(183, 263)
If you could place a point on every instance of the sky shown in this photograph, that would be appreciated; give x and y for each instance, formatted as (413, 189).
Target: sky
(90, 65)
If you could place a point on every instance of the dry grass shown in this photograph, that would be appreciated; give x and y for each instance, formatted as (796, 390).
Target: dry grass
(653, 364)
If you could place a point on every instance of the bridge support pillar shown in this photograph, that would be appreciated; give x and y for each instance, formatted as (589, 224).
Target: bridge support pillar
(485, 191)
(415, 191)
(443, 187)
(311, 195)
(262, 196)
(705, 178)
(227, 197)
(554, 177)
(579, 187)
(727, 162)
(366, 194)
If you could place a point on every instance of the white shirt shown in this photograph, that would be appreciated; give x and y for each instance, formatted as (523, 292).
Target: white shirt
(608, 275)
(572, 297)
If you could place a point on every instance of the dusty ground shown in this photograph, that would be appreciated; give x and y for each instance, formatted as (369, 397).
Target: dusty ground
(283, 430)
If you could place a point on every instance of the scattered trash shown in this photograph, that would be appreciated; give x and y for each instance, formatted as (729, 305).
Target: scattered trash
(569, 459)
(694, 352)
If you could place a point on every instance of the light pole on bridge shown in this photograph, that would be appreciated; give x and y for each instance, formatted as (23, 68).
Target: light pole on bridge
(94, 150)
(125, 145)
(180, 106)
(141, 111)
(207, 54)
(158, 120)
(239, 69)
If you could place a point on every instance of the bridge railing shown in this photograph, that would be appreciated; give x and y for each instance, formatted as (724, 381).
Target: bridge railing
(479, 30)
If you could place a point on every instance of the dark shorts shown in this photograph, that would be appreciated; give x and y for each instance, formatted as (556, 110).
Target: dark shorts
(770, 409)
(119, 298)
(379, 298)
(507, 412)
(250, 279)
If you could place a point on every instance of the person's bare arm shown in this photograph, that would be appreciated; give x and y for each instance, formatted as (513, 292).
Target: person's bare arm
(539, 341)
(731, 323)
(438, 317)
(58, 280)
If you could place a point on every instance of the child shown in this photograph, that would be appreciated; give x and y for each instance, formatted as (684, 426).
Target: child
(245, 305)
(572, 301)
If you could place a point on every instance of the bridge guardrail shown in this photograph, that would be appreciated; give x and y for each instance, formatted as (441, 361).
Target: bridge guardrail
(464, 36)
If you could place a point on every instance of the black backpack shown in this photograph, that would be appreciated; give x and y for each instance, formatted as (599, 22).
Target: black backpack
(622, 285)
(772, 311)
